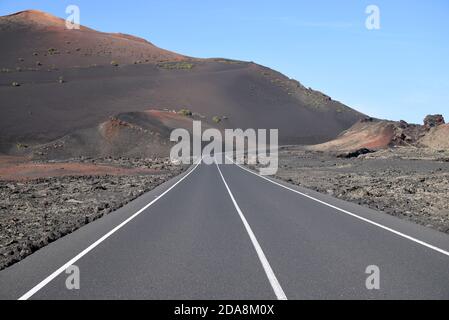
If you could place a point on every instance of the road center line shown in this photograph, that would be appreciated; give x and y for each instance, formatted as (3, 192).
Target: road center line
(263, 259)
(47, 280)
(425, 244)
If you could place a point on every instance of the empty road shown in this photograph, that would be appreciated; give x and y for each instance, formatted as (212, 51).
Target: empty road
(223, 232)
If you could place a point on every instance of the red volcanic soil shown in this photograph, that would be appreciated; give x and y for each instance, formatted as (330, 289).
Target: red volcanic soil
(19, 168)
(371, 135)
(32, 18)
(376, 134)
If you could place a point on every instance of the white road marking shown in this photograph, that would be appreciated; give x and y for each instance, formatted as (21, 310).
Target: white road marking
(47, 280)
(263, 259)
(425, 244)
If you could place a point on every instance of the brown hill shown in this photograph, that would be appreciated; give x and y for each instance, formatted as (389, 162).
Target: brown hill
(37, 40)
(376, 134)
(59, 91)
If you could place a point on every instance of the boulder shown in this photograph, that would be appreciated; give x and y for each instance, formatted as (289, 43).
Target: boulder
(432, 121)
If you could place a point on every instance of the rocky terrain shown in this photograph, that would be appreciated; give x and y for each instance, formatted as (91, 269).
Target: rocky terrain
(37, 211)
(395, 167)
(408, 182)
(375, 134)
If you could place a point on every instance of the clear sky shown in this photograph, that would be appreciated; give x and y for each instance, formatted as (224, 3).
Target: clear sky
(398, 72)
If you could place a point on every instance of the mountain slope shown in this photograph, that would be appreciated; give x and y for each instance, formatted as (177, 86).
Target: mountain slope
(60, 90)
(42, 41)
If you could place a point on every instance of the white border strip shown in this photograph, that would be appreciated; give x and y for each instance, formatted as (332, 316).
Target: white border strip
(425, 244)
(263, 259)
(47, 280)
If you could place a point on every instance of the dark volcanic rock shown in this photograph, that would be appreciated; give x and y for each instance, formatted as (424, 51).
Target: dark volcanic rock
(408, 182)
(36, 212)
(432, 121)
(355, 154)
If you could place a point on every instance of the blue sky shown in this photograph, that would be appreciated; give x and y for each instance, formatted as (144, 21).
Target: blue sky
(398, 72)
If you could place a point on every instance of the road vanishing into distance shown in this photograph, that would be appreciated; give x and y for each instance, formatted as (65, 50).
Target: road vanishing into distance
(224, 232)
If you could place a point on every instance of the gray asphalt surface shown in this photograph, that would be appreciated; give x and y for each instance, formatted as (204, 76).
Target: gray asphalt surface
(192, 244)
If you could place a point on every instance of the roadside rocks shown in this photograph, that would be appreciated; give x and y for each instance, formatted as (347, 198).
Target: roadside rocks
(36, 212)
(355, 154)
(401, 182)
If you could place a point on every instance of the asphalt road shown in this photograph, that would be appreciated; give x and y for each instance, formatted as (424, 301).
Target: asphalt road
(222, 232)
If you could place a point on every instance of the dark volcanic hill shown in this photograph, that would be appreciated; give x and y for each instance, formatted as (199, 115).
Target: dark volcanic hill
(57, 83)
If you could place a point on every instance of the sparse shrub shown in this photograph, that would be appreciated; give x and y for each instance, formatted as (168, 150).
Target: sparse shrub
(216, 119)
(18, 69)
(185, 112)
(21, 59)
(61, 80)
(15, 84)
(5, 70)
(35, 54)
(227, 61)
(52, 51)
(38, 63)
(183, 65)
(21, 146)
(114, 63)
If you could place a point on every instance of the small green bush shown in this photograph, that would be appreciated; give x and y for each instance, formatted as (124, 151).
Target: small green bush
(183, 65)
(216, 119)
(21, 146)
(52, 51)
(185, 112)
(114, 63)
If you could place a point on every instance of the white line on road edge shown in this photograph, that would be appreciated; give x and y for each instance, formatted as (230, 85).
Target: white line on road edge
(425, 244)
(265, 264)
(47, 280)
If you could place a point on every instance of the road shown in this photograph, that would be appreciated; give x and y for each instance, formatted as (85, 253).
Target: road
(223, 232)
